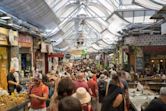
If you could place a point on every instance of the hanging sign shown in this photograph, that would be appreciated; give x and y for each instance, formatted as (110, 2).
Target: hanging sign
(3, 36)
(56, 55)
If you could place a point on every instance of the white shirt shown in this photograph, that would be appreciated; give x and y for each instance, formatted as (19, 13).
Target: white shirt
(16, 75)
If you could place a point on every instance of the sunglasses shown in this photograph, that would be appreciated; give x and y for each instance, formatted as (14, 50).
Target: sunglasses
(35, 80)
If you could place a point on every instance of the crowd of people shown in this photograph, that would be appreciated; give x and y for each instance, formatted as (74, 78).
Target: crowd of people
(81, 87)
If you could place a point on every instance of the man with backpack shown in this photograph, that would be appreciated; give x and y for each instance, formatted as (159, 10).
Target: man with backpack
(38, 94)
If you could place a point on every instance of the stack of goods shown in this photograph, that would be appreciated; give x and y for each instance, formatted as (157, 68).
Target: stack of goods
(10, 101)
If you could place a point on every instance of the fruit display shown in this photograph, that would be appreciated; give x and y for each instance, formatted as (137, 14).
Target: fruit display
(10, 101)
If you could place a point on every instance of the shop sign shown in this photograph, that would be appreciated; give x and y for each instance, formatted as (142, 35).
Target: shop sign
(4, 31)
(56, 55)
(3, 39)
(25, 41)
(156, 49)
(3, 36)
(13, 37)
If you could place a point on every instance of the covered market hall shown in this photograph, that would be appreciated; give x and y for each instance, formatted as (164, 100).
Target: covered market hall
(82, 55)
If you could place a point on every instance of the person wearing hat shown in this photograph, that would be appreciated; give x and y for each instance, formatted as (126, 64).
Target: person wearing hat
(80, 82)
(158, 104)
(84, 97)
(38, 94)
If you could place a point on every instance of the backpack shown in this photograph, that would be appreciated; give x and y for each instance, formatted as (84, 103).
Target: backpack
(102, 87)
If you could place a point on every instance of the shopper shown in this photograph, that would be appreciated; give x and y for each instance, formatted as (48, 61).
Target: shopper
(114, 101)
(158, 104)
(12, 82)
(80, 82)
(84, 97)
(102, 84)
(69, 104)
(64, 88)
(92, 83)
(49, 81)
(38, 94)
(124, 86)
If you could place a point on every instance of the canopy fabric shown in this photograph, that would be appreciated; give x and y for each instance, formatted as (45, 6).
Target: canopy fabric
(96, 22)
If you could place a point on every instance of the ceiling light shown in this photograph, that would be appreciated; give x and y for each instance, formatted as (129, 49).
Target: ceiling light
(11, 24)
(5, 17)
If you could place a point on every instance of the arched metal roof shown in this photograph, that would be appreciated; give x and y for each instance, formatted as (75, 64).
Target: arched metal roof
(98, 20)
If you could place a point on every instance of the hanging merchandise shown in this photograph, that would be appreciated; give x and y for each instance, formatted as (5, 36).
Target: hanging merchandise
(14, 63)
(13, 37)
(98, 57)
(43, 47)
(50, 49)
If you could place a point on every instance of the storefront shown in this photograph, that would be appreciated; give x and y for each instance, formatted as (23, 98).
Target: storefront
(38, 59)
(25, 52)
(42, 62)
(53, 61)
(4, 60)
(155, 59)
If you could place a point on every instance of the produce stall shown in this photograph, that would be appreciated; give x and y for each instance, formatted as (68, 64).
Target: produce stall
(14, 102)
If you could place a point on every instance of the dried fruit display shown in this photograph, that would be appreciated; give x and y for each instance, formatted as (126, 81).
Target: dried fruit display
(10, 101)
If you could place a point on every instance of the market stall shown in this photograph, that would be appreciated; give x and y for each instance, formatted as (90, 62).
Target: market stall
(14, 102)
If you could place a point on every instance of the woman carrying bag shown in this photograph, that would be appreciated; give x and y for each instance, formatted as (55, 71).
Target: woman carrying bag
(114, 101)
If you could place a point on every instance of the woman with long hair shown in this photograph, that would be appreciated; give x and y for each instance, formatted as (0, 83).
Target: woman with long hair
(64, 88)
(114, 100)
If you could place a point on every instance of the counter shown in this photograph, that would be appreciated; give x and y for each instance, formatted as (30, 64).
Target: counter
(155, 86)
(21, 107)
(138, 98)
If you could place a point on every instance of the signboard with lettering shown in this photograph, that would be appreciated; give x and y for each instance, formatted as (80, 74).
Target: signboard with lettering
(3, 36)
(25, 41)
(3, 40)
